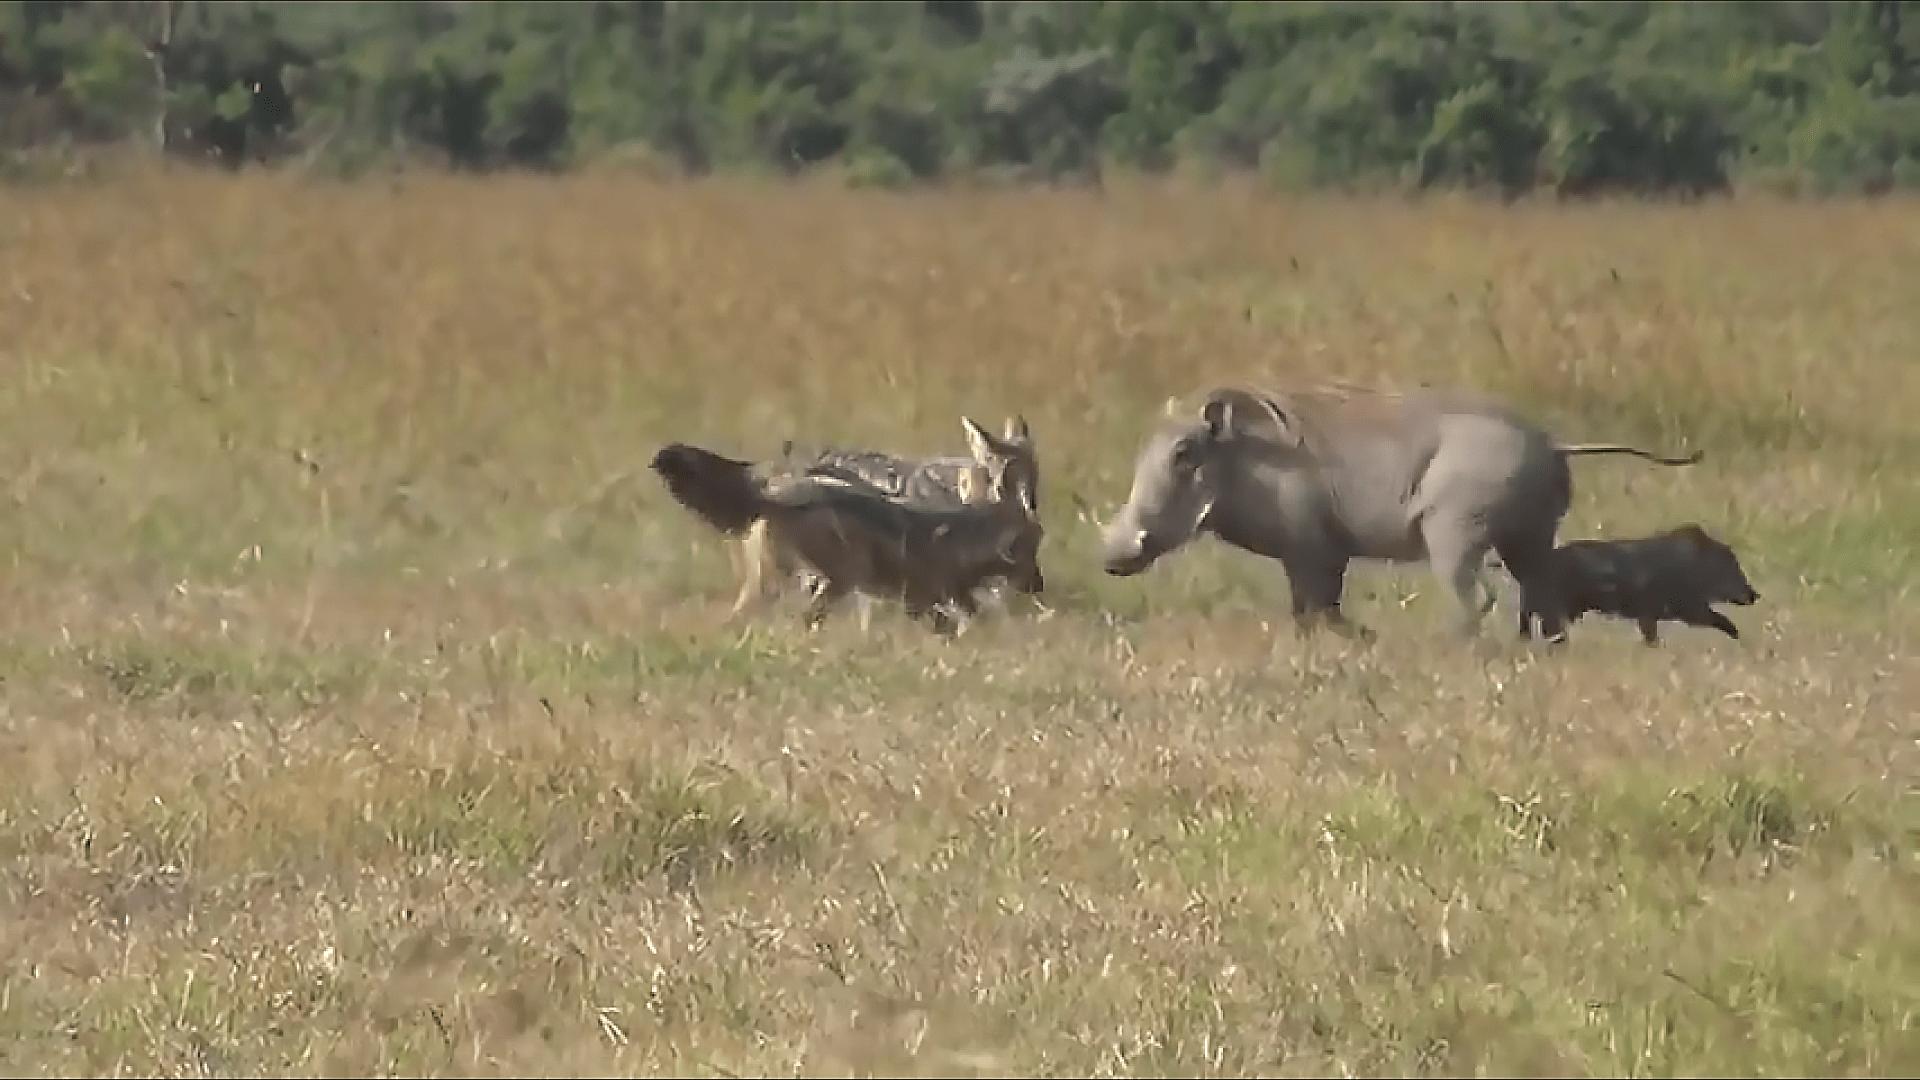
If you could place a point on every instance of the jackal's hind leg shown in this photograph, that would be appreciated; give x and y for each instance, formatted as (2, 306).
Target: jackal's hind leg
(829, 594)
(750, 560)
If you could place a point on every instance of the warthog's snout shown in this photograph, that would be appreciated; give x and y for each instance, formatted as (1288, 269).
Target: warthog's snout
(1752, 597)
(1128, 552)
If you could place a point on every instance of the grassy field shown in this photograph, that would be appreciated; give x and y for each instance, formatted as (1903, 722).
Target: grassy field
(367, 707)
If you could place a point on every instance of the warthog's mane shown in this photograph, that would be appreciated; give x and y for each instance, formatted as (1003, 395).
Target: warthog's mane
(1310, 411)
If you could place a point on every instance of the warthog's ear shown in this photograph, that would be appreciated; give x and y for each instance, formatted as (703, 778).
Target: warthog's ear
(1219, 417)
(1227, 411)
(1016, 430)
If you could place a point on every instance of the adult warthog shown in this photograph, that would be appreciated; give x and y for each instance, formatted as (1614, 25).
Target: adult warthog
(1319, 478)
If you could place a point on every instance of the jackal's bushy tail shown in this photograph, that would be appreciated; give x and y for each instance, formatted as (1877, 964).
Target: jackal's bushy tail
(719, 490)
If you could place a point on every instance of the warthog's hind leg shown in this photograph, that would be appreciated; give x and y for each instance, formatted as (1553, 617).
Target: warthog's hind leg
(1542, 599)
(1456, 551)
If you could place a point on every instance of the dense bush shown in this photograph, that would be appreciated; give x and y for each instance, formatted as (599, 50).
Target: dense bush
(1572, 97)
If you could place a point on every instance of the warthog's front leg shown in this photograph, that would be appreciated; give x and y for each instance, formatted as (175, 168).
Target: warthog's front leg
(1316, 601)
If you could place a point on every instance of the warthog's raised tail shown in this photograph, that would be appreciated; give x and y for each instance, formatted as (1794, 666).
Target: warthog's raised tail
(1616, 448)
(719, 490)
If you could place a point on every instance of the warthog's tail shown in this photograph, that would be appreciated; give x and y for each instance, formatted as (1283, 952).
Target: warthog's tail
(719, 490)
(1615, 448)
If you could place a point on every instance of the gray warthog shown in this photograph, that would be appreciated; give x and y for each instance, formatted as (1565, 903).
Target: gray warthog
(1319, 478)
(857, 540)
(1675, 576)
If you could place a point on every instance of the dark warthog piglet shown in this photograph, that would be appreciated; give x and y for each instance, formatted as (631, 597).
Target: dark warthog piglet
(1673, 576)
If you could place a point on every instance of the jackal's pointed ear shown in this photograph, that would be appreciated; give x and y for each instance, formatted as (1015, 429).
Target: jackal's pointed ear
(986, 449)
(1016, 431)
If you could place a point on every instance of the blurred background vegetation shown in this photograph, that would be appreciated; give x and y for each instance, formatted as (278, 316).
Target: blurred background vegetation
(1571, 98)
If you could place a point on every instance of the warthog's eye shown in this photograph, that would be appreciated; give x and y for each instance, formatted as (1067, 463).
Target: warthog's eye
(1186, 454)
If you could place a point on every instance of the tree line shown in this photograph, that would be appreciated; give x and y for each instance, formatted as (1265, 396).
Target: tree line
(1567, 97)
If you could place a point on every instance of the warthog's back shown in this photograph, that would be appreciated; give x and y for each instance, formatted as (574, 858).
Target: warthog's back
(1326, 418)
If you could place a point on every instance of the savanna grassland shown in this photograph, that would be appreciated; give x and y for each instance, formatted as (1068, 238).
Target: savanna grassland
(366, 707)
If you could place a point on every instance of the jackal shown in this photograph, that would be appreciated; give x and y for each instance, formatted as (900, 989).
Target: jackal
(944, 481)
(720, 489)
(858, 539)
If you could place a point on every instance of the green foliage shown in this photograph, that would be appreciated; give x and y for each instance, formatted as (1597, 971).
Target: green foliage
(1577, 97)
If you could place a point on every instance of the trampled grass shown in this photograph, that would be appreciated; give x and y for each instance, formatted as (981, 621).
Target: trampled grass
(367, 706)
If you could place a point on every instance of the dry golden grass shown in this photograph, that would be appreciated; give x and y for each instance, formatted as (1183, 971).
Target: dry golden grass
(367, 708)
